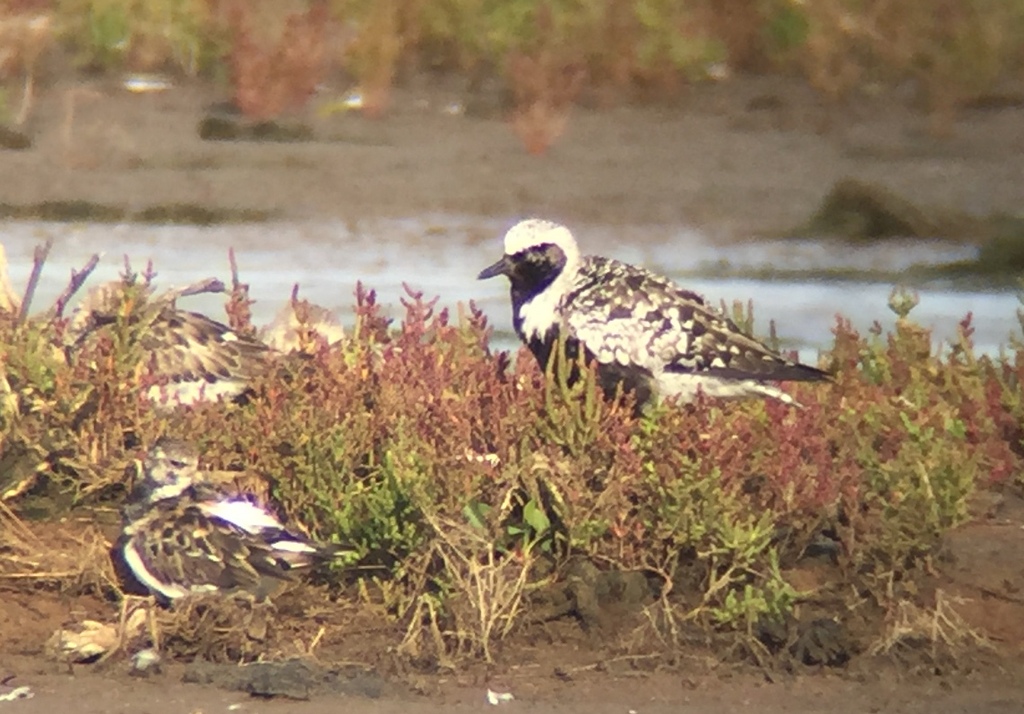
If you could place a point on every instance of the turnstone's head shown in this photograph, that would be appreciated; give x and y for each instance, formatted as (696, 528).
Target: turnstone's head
(537, 252)
(102, 305)
(299, 326)
(171, 466)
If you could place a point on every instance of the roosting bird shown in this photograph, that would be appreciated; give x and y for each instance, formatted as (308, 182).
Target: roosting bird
(187, 356)
(183, 534)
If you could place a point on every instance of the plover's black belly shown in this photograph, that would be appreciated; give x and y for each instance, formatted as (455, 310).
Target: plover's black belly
(611, 377)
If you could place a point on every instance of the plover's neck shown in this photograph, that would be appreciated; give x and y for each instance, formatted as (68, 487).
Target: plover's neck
(537, 307)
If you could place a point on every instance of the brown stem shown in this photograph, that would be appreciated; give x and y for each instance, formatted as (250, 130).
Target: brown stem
(38, 260)
(78, 278)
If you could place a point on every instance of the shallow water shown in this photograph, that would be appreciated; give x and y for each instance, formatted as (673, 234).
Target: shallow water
(441, 255)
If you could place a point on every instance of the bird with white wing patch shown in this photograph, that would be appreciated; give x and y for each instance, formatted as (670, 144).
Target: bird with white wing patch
(647, 335)
(186, 356)
(183, 534)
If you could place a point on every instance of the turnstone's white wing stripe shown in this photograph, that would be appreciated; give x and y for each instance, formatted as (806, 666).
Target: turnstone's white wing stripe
(182, 535)
(170, 557)
(242, 514)
(175, 551)
(255, 521)
(157, 584)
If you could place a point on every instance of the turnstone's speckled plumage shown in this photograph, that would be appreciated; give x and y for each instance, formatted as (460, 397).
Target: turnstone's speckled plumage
(182, 535)
(645, 332)
(188, 357)
(299, 326)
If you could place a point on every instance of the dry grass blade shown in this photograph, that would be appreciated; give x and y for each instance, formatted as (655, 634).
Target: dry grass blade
(941, 628)
(15, 528)
(489, 585)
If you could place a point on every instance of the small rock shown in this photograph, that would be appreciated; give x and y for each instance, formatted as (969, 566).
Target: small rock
(9, 693)
(224, 128)
(14, 139)
(495, 698)
(82, 642)
(145, 662)
(292, 679)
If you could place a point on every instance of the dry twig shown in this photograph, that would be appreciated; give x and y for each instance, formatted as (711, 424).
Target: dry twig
(78, 278)
(38, 260)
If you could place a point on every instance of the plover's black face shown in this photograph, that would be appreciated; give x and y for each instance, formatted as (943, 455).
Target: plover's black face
(170, 468)
(530, 270)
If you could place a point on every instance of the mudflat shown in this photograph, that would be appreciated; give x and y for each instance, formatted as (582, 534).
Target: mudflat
(740, 158)
(747, 157)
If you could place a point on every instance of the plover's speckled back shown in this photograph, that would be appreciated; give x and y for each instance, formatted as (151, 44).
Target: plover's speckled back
(188, 356)
(646, 333)
(183, 536)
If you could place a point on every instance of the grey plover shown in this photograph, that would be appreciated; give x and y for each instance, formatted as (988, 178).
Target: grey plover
(186, 356)
(183, 535)
(646, 334)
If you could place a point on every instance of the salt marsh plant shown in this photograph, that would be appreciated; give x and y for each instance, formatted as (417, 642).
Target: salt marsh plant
(276, 65)
(165, 35)
(470, 478)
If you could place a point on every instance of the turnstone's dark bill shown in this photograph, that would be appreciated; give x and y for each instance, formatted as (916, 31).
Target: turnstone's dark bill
(188, 356)
(645, 332)
(182, 535)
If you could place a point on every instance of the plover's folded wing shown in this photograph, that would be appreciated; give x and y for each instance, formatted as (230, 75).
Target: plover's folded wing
(629, 316)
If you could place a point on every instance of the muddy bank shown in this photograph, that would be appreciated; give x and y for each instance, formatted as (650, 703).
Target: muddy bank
(535, 691)
(749, 156)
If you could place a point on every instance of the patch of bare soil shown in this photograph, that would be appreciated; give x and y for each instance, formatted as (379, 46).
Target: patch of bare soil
(983, 575)
(752, 155)
(966, 655)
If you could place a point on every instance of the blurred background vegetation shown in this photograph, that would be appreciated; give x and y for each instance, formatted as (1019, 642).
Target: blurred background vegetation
(948, 51)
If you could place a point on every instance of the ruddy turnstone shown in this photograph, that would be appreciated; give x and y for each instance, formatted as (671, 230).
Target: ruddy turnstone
(646, 333)
(182, 535)
(298, 327)
(189, 357)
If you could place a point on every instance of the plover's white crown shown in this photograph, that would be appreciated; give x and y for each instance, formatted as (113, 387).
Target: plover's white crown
(534, 232)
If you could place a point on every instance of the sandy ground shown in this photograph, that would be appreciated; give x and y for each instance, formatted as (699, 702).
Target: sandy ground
(750, 156)
(88, 694)
(560, 667)
(753, 156)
